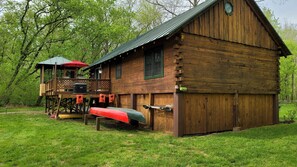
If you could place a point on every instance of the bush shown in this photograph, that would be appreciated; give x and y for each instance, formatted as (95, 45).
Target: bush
(290, 116)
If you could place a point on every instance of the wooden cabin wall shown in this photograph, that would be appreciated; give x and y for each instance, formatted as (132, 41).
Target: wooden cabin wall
(230, 67)
(255, 110)
(134, 91)
(163, 121)
(215, 66)
(105, 71)
(241, 27)
(124, 101)
(205, 113)
(144, 99)
(224, 54)
(132, 80)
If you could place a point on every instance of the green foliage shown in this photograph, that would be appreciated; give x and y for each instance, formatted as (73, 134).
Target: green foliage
(288, 112)
(148, 16)
(285, 108)
(274, 21)
(288, 72)
(26, 27)
(288, 68)
(33, 31)
(32, 139)
(290, 116)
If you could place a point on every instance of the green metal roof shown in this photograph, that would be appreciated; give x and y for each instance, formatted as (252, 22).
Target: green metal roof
(175, 24)
(51, 62)
(168, 28)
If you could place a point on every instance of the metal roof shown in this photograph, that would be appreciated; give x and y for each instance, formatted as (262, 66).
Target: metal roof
(175, 24)
(165, 29)
(51, 62)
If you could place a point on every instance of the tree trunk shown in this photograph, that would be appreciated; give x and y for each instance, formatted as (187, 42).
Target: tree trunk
(293, 84)
(39, 100)
(196, 2)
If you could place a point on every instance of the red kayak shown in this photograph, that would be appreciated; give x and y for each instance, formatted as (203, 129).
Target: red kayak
(120, 114)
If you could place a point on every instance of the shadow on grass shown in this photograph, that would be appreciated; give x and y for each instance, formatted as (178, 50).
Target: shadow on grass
(113, 125)
(266, 133)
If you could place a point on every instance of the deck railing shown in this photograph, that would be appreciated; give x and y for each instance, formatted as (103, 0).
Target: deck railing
(66, 85)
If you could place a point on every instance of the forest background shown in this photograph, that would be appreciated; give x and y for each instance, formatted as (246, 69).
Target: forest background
(32, 31)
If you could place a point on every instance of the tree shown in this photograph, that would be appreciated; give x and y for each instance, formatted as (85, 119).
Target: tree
(33, 30)
(274, 21)
(288, 69)
(97, 29)
(289, 31)
(147, 17)
(171, 8)
(26, 28)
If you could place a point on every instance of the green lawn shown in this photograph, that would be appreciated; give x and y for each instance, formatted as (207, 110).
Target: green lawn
(20, 109)
(32, 139)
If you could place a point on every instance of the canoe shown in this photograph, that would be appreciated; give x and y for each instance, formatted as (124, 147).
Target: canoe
(120, 114)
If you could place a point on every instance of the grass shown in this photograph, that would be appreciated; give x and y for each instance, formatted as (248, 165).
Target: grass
(32, 139)
(20, 109)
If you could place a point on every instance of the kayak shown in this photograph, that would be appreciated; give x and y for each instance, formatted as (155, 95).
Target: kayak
(120, 114)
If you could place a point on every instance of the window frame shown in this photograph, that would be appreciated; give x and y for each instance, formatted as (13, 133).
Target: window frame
(151, 52)
(118, 70)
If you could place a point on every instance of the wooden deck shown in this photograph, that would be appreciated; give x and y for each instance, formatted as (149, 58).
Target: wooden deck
(61, 97)
(66, 86)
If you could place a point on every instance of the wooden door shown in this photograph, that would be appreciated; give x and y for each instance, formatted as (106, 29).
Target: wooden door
(205, 113)
(255, 110)
(143, 99)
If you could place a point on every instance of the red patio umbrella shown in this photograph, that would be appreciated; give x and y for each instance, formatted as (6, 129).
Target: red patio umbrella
(75, 63)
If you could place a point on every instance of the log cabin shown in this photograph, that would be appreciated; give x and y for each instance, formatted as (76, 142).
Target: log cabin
(216, 64)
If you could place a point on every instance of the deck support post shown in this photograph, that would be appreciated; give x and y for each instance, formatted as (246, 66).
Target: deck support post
(178, 115)
(53, 103)
(86, 119)
(46, 104)
(98, 123)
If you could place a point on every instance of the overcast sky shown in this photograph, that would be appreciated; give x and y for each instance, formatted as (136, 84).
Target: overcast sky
(285, 10)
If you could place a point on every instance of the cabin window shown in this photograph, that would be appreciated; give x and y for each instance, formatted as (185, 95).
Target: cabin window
(118, 70)
(154, 63)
